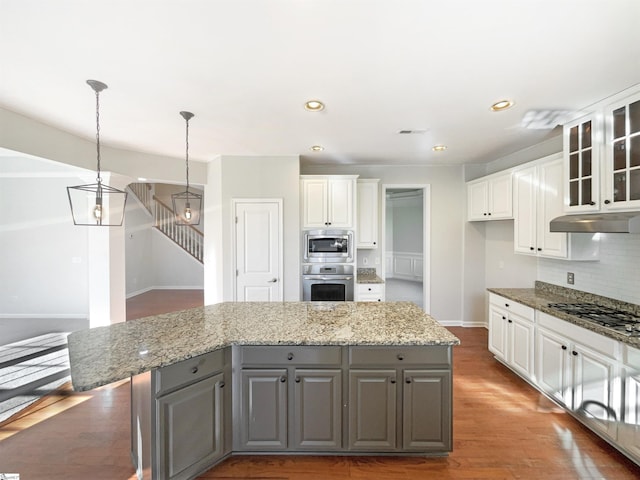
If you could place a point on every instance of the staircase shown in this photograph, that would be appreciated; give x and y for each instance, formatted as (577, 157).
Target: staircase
(31, 369)
(187, 237)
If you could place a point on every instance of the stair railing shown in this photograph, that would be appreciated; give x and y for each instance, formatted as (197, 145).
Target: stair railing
(144, 193)
(186, 236)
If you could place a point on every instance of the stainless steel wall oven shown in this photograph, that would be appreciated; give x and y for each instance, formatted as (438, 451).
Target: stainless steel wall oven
(327, 283)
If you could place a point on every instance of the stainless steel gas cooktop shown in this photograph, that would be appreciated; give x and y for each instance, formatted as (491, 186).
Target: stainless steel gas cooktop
(619, 321)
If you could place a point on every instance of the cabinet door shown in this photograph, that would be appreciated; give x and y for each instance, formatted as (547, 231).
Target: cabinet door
(501, 197)
(426, 410)
(582, 139)
(264, 409)
(189, 429)
(314, 203)
(372, 409)
(629, 434)
(622, 178)
(521, 344)
(478, 200)
(552, 366)
(550, 244)
(595, 380)
(340, 203)
(367, 214)
(498, 332)
(317, 416)
(524, 199)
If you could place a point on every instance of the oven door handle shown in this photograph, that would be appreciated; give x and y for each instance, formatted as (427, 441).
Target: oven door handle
(327, 277)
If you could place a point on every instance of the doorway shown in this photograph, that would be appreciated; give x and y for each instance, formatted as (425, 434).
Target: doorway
(406, 239)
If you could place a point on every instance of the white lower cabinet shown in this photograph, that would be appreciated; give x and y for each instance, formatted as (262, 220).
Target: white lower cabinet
(629, 431)
(511, 333)
(579, 368)
(370, 292)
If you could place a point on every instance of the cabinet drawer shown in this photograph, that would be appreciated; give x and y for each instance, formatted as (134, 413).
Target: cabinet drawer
(511, 306)
(370, 288)
(290, 355)
(436, 355)
(188, 371)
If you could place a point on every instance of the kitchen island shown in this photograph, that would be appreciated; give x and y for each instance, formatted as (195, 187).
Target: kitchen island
(292, 377)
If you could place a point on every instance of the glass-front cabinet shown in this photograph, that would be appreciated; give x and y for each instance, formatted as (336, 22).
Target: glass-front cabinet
(622, 141)
(582, 164)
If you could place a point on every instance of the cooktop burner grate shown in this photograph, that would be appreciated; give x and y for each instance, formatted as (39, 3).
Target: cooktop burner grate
(617, 320)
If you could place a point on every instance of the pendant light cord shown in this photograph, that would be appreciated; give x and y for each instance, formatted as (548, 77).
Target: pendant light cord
(187, 155)
(99, 179)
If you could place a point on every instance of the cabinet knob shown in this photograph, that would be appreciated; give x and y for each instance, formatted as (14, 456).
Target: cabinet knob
(283, 379)
(375, 243)
(531, 248)
(379, 299)
(506, 305)
(485, 214)
(194, 370)
(290, 356)
(393, 380)
(539, 249)
(400, 356)
(297, 380)
(407, 380)
(489, 213)
(504, 318)
(221, 384)
(592, 203)
(369, 288)
(510, 321)
(607, 202)
(564, 347)
(574, 353)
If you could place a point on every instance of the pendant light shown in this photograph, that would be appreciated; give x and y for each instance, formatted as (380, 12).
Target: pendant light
(97, 204)
(187, 205)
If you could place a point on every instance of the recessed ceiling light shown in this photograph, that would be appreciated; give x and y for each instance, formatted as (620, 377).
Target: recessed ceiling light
(439, 148)
(317, 148)
(314, 105)
(502, 105)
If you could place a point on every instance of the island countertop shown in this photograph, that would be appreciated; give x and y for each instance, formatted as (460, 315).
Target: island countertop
(103, 355)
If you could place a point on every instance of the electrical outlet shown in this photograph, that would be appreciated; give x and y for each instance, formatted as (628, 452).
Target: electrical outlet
(570, 278)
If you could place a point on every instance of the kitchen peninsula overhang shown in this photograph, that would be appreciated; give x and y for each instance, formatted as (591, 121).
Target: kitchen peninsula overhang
(103, 355)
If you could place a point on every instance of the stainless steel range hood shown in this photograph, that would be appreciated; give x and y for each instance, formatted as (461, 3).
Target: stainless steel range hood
(627, 222)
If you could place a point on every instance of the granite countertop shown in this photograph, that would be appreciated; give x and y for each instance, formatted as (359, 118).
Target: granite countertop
(543, 294)
(368, 275)
(103, 355)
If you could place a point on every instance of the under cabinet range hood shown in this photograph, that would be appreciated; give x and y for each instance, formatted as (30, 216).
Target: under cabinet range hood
(624, 222)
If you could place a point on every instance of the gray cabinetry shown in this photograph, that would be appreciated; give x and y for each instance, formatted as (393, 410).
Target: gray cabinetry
(291, 398)
(400, 399)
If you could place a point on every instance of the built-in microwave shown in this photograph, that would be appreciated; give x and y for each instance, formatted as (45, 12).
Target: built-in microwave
(328, 246)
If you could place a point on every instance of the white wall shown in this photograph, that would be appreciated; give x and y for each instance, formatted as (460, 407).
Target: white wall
(43, 256)
(448, 200)
(250, 177)
(406, 225)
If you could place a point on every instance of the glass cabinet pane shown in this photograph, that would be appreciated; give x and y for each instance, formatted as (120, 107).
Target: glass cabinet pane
(574, 166)
(619, 187)
(586, 135)
(573, 139)
(618, 122)
(634, 185)
(586, 192)
(586, 163)
(634, 117)
(573, 193)
(634, 151)
(619, 155)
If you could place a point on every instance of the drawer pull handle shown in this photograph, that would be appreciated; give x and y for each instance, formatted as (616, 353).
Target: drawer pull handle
(194, 370)
(290, 356)
(283, 379)
(400, 357)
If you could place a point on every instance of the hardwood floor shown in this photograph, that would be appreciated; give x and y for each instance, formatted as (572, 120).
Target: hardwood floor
(503, 429)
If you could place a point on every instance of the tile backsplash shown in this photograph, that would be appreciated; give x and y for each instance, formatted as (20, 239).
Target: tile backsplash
(616, 275)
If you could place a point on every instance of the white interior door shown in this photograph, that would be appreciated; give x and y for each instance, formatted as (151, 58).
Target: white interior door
(258, 242)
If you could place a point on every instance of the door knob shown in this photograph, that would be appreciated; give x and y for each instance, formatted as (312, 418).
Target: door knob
(273, 280)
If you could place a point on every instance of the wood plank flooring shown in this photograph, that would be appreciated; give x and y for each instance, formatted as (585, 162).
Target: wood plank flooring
(503, 429)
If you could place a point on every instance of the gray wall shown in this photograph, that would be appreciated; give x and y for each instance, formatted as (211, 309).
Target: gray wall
(406, 224)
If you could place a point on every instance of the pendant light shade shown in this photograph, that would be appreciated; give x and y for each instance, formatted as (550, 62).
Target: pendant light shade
(187, 205)
(96, 204)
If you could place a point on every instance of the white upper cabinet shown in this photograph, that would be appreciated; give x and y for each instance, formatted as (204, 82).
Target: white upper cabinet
(490, 198)
(622, 145)
(328, 202)
(582, 147)
(537, 200)
(368, 212)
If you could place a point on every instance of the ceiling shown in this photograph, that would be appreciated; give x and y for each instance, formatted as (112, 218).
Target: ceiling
(246, 67)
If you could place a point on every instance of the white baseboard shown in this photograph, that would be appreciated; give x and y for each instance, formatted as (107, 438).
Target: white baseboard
(38, 316)
(170, 287)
